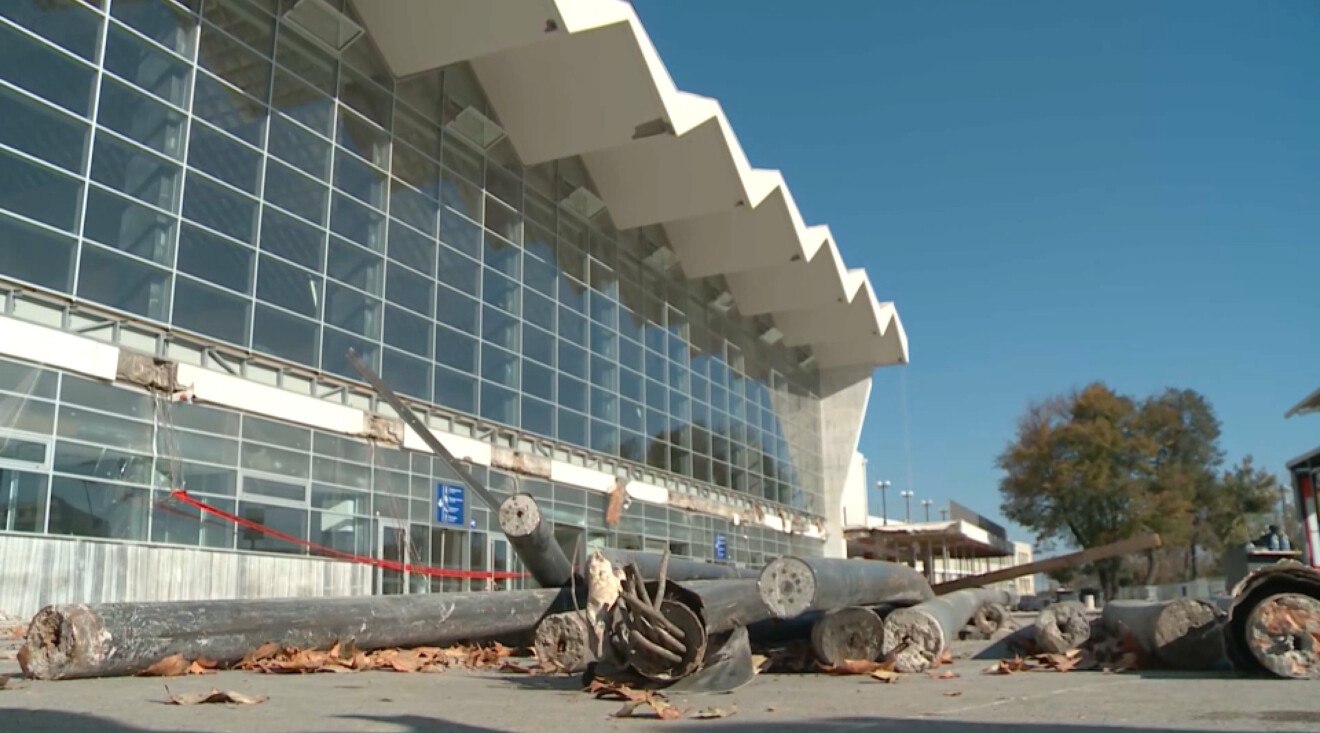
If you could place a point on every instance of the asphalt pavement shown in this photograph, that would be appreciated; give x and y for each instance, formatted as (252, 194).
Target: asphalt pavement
(458, 701)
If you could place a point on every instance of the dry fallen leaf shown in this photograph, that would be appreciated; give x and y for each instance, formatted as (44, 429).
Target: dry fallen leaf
(711, 713)
(945, 658)
(859, 666)
(214, 696)
(760, 663)
(4, 681)
(887, 676)
(172, 666)
(952, 693)
(947, 674)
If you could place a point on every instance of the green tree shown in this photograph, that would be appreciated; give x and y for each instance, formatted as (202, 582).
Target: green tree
(1078, 472)
(1241, 505)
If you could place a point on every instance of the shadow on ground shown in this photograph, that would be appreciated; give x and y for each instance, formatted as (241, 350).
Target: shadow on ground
(47, 721)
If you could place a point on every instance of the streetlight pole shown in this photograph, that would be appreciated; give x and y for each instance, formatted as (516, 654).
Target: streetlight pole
(907, 502)
(944, 515)
(884, 512)
(927, 503)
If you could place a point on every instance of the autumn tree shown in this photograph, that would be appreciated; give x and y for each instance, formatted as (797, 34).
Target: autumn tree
(1079, 472)
(1094, 467)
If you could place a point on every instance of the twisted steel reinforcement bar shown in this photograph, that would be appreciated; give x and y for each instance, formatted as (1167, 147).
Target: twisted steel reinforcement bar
(791, 586)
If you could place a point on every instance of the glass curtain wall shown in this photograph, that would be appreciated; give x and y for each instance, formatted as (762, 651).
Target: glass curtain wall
(204, 166)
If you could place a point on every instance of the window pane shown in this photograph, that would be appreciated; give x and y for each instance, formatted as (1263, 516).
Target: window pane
(119, 282)
(38, 192)
(407, 331)
(136, 172)
(461, 234)
(219, 208)
(538, 380)
(538, 309)
(456, 391)
(140, 118)
(165, 23)
(540, 276)
(302, 102)
(538, 345)
(187, 445)
(362, 181)
(352, 310)
(90, 509)
(408, 289)
(456, 350)
(176, 523)
(500, 328)
(409, 375)
(503, 221)
(33, 66)
(234, 62)
(334, 348)
(357, 222)
(122, 224)
(412, 248)
(287, 286)
(275, 460)
(499, 404)
(229, 110)
(355, 266)
(456, 309)
(146, 66)
(39, 130)
(538, 417)
(363, 138)
(572, 428)
(500, 366)
(210, 311)
(69, 24)
(500, 291)
(295, 192)
(284, 335)
(285, 520)
(572, 393)
(22, 501)
(308, 60)
(459, 271)
(414, 168)
(292, 239)
(53, 269)
(215, 259)
(225, 158)
(276, 433)
(108, 398)
(300, 148)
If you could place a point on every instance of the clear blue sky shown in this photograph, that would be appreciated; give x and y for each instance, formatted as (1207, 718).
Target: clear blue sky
(1052, 193)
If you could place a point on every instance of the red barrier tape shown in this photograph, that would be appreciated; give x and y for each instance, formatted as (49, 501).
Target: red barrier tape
(427, 570)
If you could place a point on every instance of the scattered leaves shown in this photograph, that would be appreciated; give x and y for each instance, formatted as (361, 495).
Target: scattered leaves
(947, 674)
(1061, 662)
(174, 665)
(346, 657)
(633, 700)
(712, 713)
(945, 658)
(1010, 666)
(214, 696)
(952, 693)
(859, 666)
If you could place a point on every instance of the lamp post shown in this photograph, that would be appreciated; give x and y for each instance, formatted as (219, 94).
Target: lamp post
(884, 512)
(907, 502)
(944, 515)
(927, 504)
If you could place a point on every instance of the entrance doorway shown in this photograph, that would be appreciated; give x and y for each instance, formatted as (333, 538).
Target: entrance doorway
(392, 546)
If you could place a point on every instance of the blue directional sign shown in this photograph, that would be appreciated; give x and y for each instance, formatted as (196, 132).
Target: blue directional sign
(721, 547)
(449, 501)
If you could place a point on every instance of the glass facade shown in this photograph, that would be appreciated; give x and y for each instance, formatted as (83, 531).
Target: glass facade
(84, 458)
(203, 167)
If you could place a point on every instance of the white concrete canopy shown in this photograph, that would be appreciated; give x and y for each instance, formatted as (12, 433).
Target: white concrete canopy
(582, 78)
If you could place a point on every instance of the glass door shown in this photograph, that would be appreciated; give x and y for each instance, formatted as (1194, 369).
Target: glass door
(499, 562)
(392, 546)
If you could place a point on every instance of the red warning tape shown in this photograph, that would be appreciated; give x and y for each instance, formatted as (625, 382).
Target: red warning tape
(427, 570)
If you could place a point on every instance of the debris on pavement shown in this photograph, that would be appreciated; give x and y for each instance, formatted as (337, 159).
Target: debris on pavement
(214, 696)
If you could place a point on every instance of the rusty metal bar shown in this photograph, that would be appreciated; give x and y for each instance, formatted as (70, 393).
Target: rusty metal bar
(1103, 552)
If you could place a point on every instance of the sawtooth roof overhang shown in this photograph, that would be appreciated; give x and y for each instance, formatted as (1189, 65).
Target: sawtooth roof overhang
(582, 78)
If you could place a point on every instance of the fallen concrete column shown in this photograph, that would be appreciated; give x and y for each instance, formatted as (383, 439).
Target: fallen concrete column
(847, 633)
(791, 586)
(1184, 633)
(112, 639)
(916, 637)
(679, 569)
(533, 540)
(1274, 622)
(1061, 627)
